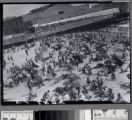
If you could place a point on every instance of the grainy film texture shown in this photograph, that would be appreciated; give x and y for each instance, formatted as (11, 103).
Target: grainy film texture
(66, 53)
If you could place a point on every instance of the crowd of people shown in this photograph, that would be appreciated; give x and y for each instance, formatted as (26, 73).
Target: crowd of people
(75, 66)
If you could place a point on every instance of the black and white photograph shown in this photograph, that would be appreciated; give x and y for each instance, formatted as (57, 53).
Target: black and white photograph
(66, 53)
(110, 114)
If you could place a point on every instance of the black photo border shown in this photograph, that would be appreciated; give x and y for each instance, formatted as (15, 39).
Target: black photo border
(66, 102)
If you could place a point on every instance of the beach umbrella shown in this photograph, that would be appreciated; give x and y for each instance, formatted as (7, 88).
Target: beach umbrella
(75, 84)
(74, 76)
(28, 67)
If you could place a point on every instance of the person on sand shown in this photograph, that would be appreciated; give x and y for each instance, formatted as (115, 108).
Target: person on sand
(26, 51)
(31, 96)
(76, 63)
(11, 58)
(113, 76)
(73, 94)
(100, 82)
(49, 69)
(81, 96)
(110, 94)
(119, 98)
(4, 63)
(88, 80)
(29, 84)
(85, 89)
(45, 96)
(57, 98)
(8, 58)
(66, 97)
(43, 70)
(118, 62)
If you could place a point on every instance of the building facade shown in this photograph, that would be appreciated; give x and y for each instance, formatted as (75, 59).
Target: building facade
(15, 25)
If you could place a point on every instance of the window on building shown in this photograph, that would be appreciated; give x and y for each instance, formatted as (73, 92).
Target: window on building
(5, 118)
(61, 12)
(13, 119)
(81, 9)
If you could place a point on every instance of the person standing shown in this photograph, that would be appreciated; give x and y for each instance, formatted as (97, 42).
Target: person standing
(26, 51)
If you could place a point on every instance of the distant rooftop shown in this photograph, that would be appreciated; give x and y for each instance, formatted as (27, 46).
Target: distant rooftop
(44, 7)
(9, 18)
